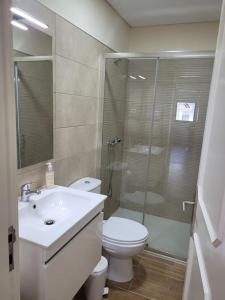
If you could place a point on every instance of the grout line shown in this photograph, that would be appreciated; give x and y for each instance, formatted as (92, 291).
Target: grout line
(76, 94)
(77, 125)
(129, 291)
(78, 62)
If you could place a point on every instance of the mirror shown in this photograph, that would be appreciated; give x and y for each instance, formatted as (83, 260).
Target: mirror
(33, 78)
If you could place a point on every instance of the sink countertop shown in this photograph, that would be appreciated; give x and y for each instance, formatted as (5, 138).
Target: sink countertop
(69, 208)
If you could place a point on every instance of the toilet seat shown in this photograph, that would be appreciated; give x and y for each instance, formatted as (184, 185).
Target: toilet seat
(124, 231)
(122, 244)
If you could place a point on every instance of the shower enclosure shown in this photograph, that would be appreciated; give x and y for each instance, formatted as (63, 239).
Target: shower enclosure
(153, 122)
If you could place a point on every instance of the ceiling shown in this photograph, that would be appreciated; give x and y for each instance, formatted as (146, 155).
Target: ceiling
(158, 12)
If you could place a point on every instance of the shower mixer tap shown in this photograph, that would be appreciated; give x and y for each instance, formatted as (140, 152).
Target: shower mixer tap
(114, 141)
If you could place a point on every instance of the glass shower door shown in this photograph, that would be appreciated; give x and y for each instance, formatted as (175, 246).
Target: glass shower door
(179, 118)
(153, 122)
(128, 114)
(140, 94)
(112, 132)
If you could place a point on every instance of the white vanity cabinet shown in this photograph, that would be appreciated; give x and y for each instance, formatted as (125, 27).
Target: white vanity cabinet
(58, 272)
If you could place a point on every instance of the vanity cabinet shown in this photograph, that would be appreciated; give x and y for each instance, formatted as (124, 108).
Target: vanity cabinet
(60, 275)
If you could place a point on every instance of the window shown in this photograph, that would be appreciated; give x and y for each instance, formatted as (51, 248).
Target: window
(185, 111)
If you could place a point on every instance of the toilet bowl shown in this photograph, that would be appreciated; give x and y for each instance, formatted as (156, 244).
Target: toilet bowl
(122, 239)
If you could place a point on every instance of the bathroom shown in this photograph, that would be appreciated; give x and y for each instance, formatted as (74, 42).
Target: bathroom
(112, 149)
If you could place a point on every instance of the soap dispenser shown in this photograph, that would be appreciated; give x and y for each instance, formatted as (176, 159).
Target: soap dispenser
(49, 175)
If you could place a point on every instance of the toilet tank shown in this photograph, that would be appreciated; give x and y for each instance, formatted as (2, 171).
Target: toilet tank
(87, 184)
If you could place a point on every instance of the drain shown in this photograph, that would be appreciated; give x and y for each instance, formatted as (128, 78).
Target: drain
(49, 222)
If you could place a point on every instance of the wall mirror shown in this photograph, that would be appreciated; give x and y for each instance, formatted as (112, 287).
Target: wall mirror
(33, 80)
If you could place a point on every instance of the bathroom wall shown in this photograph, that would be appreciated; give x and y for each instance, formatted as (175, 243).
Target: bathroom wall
(76, 88)
(188, 37)
(95, 17)
(76, 102)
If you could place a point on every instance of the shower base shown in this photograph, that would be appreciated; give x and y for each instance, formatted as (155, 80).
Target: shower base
(166, 236)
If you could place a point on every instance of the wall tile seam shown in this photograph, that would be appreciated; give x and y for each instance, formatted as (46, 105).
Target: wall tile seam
(78, 62)
(76, 94)
(115, 99)
(75, 157)
(81, 125)
(78, 28)
(73, 126)
(91, 150)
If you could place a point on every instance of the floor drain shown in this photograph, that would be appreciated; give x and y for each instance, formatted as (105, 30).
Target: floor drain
(49, 222)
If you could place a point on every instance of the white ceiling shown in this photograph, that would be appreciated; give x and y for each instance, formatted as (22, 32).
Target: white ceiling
(157, 12)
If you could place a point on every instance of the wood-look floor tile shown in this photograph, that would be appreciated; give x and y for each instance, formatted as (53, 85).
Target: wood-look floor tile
(154, 279)
(119, 294)
(158, 278)
(123, 286)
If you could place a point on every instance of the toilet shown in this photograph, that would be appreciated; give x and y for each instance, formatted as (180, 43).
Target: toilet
(122, 238)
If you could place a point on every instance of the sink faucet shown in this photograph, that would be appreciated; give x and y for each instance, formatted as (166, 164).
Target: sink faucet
(25, 192)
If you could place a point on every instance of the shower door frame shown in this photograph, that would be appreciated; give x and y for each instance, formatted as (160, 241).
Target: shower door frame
(157, 56)
(162, 54)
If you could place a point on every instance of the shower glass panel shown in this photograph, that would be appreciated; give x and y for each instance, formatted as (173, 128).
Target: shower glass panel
(157, 107)
(113, 129)
(179, 118)
(138, 128)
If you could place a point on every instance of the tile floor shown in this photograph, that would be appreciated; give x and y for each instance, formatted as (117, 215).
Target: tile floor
(154, 279)
(165, 235)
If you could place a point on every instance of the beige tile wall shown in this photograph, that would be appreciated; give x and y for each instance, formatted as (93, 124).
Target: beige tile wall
(76, 93)
(77, 90)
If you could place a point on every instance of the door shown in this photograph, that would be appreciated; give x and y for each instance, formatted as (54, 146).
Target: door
(206, 263)
(9, 280)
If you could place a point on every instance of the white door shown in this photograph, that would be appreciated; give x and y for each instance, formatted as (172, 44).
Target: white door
(9, 280)
(205, 276)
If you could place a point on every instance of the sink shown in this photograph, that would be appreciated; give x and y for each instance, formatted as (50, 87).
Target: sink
(51, 214)
(60, 234)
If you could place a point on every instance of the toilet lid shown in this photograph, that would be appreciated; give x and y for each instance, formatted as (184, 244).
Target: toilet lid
(124, 230)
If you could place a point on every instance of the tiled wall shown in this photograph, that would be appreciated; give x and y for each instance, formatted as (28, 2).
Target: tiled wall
(77, 90)
(76, 96)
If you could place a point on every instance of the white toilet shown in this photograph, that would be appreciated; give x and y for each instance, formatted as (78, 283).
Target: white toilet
(122, 238)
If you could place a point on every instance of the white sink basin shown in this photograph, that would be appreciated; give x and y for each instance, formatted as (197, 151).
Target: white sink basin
(55, 211)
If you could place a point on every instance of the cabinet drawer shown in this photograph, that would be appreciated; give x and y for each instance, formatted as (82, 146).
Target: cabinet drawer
(65, 273)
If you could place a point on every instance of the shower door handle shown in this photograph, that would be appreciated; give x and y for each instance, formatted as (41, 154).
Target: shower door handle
(187, 203)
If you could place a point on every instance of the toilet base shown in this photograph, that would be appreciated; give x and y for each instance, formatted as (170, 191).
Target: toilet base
(120, 269)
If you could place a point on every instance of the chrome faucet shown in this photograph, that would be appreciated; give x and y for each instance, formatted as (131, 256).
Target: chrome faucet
(25, 192)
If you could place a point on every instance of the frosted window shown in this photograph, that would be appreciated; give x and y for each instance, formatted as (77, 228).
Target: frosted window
(185, 111)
